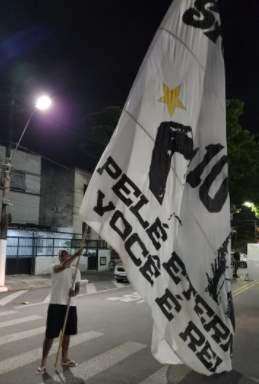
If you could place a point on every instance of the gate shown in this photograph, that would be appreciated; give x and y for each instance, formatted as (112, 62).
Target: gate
(20, 255)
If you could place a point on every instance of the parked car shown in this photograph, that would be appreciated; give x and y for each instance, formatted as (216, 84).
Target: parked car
(243, 260)
(120, 274)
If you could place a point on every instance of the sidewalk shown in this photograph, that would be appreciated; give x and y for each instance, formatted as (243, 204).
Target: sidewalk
(20, 282)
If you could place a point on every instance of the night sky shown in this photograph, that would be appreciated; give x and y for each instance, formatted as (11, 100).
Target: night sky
(86, 54)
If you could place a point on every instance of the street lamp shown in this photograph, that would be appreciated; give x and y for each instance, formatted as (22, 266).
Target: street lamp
(248, 204)
(42, 103)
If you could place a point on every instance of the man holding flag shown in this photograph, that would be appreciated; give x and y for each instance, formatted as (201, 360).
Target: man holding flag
(159, 194)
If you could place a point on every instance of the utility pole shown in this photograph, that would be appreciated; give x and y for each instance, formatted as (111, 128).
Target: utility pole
(6, 182)
(42, 103)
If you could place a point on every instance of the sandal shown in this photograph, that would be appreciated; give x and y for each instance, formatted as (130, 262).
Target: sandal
(41, 370)
(69, 363)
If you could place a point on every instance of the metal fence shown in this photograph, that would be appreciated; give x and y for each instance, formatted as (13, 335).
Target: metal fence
(23, 247)
(23, 250)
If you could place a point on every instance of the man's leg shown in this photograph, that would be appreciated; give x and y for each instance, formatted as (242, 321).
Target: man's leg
(45, 351)
(71, 329)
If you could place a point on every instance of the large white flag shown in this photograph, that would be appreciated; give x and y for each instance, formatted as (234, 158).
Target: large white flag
(159, 195)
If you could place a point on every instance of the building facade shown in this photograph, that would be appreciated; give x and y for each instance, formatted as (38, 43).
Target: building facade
(25, 187)
(44, 215)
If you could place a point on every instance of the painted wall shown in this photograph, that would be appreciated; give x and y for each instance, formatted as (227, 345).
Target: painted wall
(253, 261)
(104, 255)
(25, 187)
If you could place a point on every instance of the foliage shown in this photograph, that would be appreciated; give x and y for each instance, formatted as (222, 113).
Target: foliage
(243, 150)
(243, 153)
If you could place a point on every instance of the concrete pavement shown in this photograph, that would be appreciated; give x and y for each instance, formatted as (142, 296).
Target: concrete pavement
(181, 372)
(22, 282)
(175, 374)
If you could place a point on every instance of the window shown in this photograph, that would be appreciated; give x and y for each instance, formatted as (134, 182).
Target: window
(18, 181)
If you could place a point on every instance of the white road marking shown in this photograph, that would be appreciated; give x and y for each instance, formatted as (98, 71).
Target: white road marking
(102, 362)
(159, 377)
(20, 320)
(6, 313)
(114, 298)
(46, 300)
(128, 298)
(21, 335)
(5, 300)
(26, 358)
(20, 306)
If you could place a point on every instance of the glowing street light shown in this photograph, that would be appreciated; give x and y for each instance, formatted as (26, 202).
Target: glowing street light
(43, 103)
(248, 204)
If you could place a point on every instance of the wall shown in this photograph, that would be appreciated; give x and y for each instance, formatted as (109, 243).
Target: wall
(25, 187)
(104, 254)
(57, 196)
(253, 261)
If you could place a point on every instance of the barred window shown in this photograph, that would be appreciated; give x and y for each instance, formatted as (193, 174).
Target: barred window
(18, 181)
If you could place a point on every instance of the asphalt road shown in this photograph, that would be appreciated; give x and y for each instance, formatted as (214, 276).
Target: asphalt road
(113, 344)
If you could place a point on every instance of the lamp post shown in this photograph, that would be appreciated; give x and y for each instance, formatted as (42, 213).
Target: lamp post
(42, 103)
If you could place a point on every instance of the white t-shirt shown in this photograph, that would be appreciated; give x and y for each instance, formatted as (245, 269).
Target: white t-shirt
(61, 283)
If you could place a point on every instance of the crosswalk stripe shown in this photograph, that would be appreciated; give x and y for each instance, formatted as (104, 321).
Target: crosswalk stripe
(11, 297)
(46, 300)
(104, 361)
(91, 288)
(26, 358)
(6, 313)
(21, 335)
(20, 306)
(159, 377)
(20, 320)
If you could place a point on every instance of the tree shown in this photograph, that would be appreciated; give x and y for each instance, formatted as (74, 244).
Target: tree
(243, 154)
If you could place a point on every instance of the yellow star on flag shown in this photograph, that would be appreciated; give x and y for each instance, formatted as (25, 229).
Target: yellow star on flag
(171, 98)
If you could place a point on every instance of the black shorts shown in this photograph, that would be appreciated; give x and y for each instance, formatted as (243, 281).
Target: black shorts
(55, 320)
